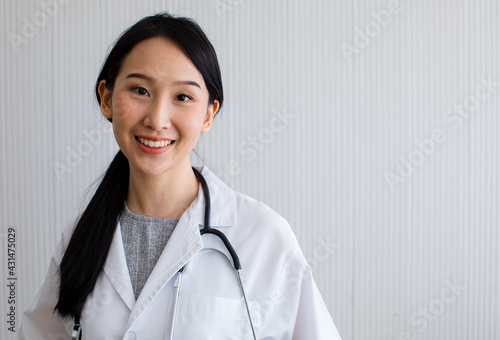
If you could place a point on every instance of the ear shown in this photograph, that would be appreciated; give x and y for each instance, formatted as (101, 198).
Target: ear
(211, 111)
(105, 95)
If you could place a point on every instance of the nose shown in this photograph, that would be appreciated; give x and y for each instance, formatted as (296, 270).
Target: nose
(158, 115)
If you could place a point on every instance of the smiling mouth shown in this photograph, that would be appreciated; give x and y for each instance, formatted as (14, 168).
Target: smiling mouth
(154, 143)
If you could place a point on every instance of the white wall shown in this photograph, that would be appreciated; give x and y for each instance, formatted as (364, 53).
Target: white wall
(403, 242)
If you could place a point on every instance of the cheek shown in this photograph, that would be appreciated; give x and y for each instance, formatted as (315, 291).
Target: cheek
(123, 109)
(123, 114)
(192, 125)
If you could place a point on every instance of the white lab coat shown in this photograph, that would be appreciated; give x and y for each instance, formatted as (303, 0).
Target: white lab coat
(284, 298)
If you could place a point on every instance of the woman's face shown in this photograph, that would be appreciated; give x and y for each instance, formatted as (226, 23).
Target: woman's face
(159, 106)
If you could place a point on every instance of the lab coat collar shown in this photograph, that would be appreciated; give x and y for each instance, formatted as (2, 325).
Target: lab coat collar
(184, 243)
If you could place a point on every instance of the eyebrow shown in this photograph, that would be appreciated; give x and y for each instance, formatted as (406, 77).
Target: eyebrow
(148, 78)
(141, 76)
(187, 82)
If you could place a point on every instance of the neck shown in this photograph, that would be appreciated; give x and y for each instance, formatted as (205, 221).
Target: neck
(165, 196)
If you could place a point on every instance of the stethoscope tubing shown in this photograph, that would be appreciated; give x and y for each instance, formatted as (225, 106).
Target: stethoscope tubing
(246, 304)
(206, 226)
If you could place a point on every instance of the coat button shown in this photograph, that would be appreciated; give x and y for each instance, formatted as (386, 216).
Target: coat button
(131, 336)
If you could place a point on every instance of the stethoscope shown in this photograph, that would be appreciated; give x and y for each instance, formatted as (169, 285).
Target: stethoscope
(236, 264)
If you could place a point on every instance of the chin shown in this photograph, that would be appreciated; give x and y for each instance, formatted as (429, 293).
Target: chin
(153, 172)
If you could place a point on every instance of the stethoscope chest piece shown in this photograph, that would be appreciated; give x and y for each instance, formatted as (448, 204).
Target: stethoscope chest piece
(76, 334)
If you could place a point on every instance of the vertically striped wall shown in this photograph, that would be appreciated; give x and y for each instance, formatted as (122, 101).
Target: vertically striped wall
(385, 161)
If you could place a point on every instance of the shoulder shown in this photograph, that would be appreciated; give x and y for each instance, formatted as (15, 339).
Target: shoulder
(270, 233)
(261, 218)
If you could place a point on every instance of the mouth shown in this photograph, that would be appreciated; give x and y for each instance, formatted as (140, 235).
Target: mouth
(154, 144)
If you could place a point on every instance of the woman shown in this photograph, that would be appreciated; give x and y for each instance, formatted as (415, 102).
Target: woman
(129, 269)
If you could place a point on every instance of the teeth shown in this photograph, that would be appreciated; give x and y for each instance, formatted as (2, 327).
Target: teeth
(155, 144)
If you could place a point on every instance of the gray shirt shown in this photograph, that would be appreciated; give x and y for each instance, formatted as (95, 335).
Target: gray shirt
(144, 239)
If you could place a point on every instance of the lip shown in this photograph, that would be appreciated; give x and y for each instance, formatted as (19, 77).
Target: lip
(156, 139)
(153, 151)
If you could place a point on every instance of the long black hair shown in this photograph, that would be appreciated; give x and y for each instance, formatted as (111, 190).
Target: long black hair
(88, 248)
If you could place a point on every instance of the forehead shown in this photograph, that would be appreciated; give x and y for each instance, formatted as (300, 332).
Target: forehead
(160, 58)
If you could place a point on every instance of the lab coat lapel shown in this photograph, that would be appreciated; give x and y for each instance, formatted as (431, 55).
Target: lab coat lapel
(116, 269)
(183, 244)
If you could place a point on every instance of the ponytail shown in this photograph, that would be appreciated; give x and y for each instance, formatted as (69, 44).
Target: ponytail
(88, 248)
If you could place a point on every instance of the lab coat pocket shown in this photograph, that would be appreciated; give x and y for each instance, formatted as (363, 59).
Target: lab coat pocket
(211, 317)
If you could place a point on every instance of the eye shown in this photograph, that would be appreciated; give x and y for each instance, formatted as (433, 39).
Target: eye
(183, 97)
(140, 91)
